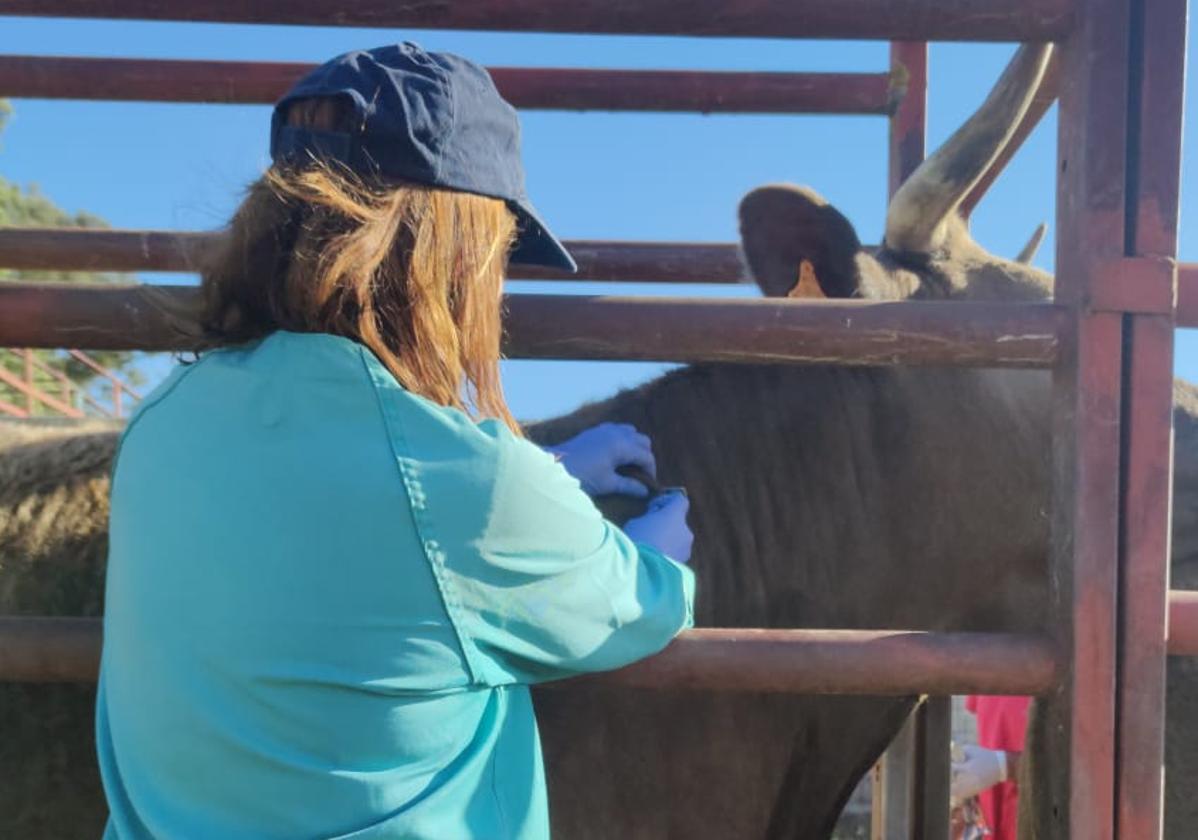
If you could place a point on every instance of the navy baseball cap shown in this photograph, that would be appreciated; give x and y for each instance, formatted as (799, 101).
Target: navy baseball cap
(427, 118)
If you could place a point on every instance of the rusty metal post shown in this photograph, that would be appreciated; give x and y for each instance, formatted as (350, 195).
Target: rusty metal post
(933, 736)
(907, 149)
(1077, 800)
(892, 815)
(1144, 574)
(909, 119)
(1157, 72)
(30, 399)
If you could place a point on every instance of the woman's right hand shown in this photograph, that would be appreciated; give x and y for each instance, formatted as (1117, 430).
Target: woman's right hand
(663, 526)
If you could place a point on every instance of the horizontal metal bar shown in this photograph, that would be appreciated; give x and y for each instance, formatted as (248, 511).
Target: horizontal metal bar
(902, 20)
(1183, 623)
(92, 249)
(40, 649)
(788, 331)
(248, 82)
(758, 330)
(1187, 295)
(1138, 285)
(79, 249)
(872, 662)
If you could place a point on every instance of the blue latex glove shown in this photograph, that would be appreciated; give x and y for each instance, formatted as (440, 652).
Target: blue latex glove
(664, 526)
(593, 456)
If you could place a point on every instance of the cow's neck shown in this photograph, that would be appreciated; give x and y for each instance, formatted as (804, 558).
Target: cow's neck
(852, 496)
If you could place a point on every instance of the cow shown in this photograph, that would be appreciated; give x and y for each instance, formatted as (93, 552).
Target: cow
(839, 497)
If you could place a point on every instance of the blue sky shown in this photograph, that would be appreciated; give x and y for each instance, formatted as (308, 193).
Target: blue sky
(593, 175)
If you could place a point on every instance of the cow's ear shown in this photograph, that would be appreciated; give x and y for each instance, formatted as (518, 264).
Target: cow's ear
(798, 245)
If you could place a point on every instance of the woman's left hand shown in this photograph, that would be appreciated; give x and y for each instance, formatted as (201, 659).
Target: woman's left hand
(593, 457)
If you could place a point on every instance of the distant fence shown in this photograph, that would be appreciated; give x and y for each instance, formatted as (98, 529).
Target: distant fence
(30, 387)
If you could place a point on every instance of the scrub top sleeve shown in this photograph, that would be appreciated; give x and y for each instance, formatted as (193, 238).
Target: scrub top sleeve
(554, 589)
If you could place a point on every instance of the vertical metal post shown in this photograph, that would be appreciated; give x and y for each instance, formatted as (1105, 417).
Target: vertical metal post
(909, 119)
(1079, 718)
(1144, 575)
(892, 814)
(894, 804)
(911, 780)
(30, 401)
(1157, 35)
(933, 733)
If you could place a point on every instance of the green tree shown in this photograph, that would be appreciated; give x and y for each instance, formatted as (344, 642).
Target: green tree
(27, 207)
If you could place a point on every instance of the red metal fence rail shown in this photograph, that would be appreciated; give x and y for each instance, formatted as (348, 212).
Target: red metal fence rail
(251, 82)
(34, 396)
(601, 327)
(809, 661)
(120, 390)
(73, 398)
(898, 20)
(34, 649)
(78, 249)
(75, 249)
(1183, 624)
(1187, 295)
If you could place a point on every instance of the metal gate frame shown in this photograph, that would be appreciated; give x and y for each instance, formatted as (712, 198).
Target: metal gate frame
(1108, 336)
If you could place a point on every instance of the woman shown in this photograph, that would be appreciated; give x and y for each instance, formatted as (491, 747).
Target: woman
(336, 566)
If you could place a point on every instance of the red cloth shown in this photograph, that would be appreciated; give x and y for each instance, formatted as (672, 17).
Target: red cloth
(1002, 724)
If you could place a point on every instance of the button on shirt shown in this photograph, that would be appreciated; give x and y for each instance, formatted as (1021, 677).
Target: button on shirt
(327, 597)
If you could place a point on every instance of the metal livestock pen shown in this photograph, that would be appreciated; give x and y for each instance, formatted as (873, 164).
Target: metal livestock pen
(1108, 336)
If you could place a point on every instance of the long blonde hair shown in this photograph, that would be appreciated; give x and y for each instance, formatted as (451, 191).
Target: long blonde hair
(414, 273)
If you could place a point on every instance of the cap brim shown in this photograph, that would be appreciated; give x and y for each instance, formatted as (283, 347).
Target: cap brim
(535, 245)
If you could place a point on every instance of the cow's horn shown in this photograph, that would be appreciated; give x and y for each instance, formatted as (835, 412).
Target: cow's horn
(1028, 253)
(915, 221)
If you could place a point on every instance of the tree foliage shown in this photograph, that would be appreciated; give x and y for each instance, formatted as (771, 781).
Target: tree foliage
(26, 206)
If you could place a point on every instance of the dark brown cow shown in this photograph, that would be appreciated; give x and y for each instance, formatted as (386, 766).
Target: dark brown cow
(822, 497)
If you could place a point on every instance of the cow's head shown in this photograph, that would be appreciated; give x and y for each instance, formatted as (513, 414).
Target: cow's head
(798, 245)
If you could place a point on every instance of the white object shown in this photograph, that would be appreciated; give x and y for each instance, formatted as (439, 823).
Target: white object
(974, 769)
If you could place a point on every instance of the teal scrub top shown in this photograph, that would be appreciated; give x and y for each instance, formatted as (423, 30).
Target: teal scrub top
(327, 598)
